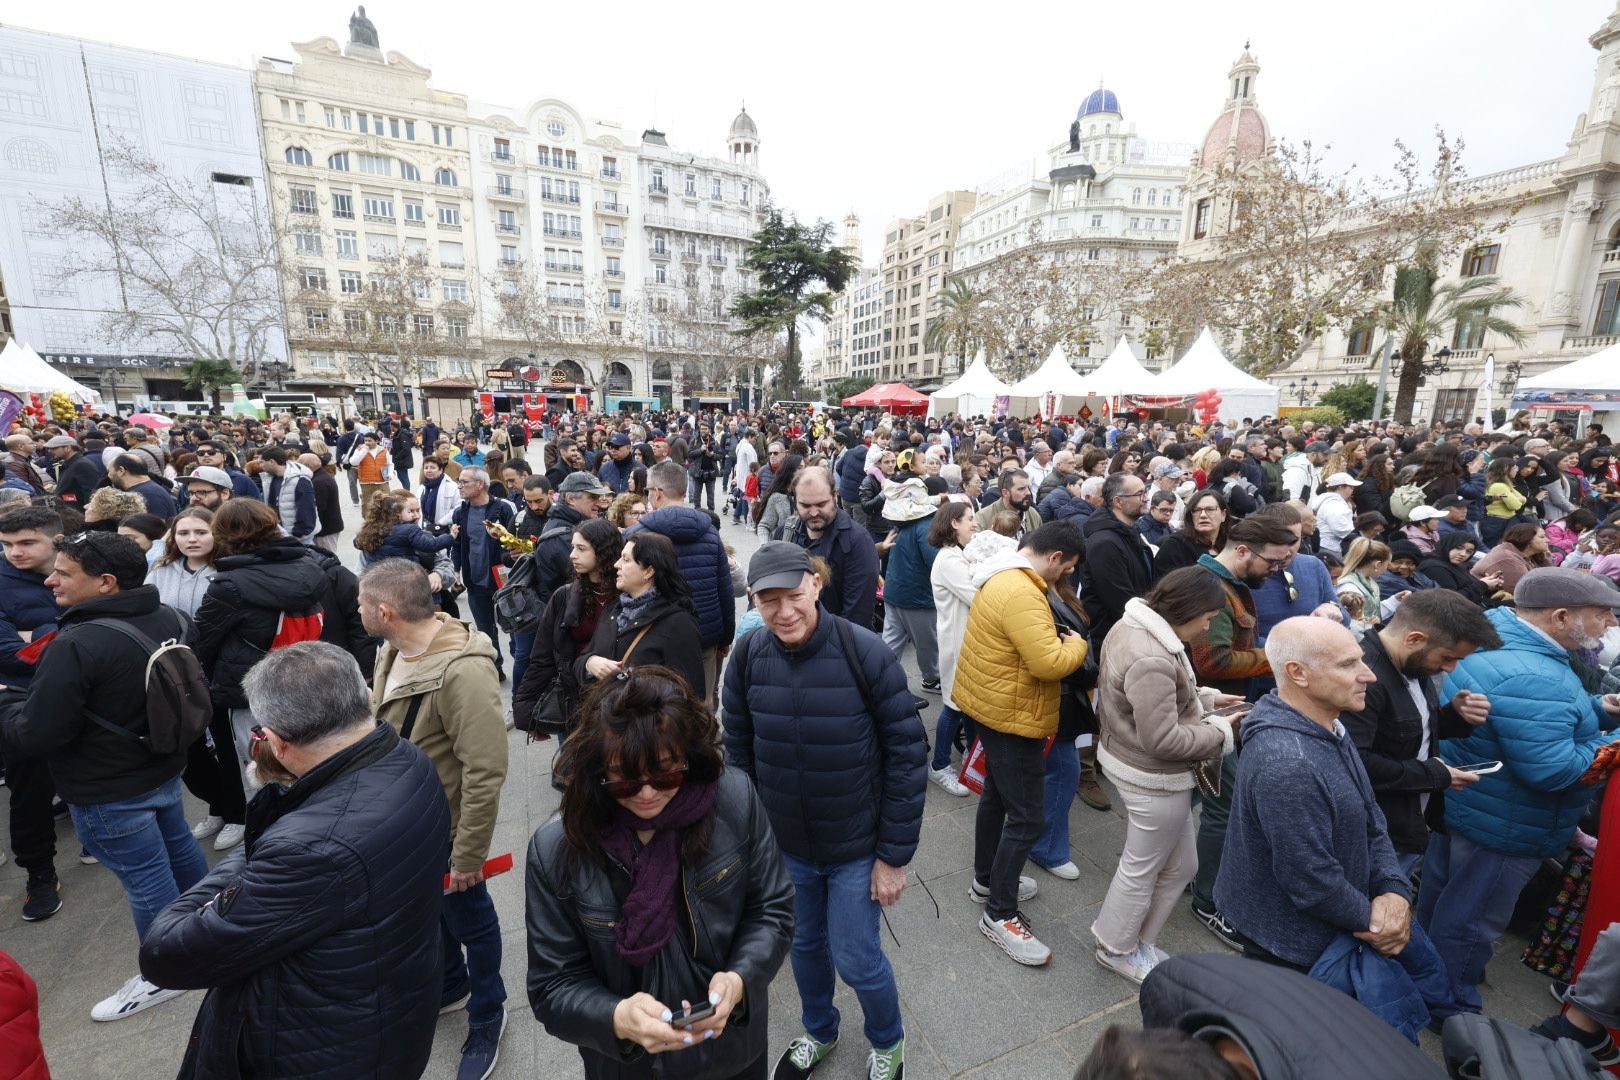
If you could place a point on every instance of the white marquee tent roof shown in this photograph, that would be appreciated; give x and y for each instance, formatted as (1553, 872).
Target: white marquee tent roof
(24, 371)
(1600, 371)
(1121, 373)
(1205, 367)
(1055, 376)
(976, 381)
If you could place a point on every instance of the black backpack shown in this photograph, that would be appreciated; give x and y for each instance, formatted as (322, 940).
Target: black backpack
(178, 705)
(518, 603)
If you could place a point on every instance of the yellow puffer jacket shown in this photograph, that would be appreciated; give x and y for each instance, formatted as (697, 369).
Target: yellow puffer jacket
(1012, 659)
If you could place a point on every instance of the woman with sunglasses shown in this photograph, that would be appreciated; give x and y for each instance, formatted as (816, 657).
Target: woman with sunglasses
(658, 886)
(652, 621)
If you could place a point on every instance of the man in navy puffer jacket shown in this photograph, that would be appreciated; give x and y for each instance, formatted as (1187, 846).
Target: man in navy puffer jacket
(818, 715)
(1065, 502)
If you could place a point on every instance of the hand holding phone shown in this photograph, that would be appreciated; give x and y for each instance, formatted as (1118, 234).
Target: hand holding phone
(688, 1015)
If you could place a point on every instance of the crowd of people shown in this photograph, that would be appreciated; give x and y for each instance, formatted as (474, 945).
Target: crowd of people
(1354, 689)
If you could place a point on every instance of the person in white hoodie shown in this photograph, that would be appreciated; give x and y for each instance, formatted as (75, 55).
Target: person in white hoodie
(1302, 469)
(962, 547)
(1335, 516)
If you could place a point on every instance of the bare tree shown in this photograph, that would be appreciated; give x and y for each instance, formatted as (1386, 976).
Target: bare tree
(195, 263)
(590, 326)
(691, 325)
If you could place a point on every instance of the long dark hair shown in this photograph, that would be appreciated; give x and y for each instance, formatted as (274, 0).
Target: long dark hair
(653, 551)
(942, 533)
(606, 540)
(1190, 534)
(636, 722)
(1184, 594)
(782, 482)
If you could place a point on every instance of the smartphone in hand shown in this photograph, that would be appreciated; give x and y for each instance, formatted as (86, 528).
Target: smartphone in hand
(685, 1018)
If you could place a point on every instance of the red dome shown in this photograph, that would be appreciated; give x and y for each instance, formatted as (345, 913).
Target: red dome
(1252, 136)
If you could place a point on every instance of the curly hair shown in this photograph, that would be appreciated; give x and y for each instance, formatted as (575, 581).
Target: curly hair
(381, 517)
(110, 504)
(619, 509)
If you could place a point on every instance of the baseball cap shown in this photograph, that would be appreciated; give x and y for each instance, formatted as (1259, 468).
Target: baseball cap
(208, 474)
(1168, 468)
(1446, 502)
(1318, 448)
(1424, 513)
(777, 565)
(1341, 479)
(619, 438)
(56, 442)
(576, 483)
(1558, 587)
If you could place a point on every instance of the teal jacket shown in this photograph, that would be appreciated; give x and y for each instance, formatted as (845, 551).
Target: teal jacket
(1544, 727)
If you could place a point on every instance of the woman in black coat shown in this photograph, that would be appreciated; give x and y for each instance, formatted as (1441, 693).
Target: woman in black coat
(569, 622)
(1203, 532)
(652, 621)
(1448, 567)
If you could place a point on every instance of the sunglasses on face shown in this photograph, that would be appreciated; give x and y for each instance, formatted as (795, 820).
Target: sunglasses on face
(628, 789)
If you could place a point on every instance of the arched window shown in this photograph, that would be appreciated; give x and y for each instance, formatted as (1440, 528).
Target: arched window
(1153, 196)
(445, 177)
(338, 162)
(407, 171)
(30, 155)
(297, 155)
(1136, 196)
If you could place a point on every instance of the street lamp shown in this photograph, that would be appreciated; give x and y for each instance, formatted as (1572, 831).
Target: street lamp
(1437, 365)
(1304, 390)
(1510, 380)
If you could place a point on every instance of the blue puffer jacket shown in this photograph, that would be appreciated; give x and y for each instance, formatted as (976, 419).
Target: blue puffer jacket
(908, 584)
(25, 605)
(1544, 727)
(1061, 506)
(1473, 490)
(851, 471)
(838, 782)
(702, 555)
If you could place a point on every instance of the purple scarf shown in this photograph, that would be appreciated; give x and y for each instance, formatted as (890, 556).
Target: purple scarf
(647, 917)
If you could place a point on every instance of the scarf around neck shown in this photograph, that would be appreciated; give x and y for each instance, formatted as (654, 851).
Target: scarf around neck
(648, 915)
(630, 607)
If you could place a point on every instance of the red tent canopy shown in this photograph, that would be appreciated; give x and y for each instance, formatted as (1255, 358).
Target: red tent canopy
(895, 397)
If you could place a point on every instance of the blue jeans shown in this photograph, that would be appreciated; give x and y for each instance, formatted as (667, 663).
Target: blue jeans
(950, 722)
(838, 897)
(1468, 896)
(522, 646)
(147, 844)
(1062, 781)
(467, 921)
(482, 603)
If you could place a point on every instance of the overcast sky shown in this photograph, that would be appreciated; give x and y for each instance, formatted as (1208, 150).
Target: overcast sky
(876, 107)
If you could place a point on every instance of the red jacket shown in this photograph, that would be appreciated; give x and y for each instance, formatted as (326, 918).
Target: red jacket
(21, 1055)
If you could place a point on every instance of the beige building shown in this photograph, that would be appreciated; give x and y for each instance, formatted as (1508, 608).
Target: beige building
(917, 258)
(370, 170)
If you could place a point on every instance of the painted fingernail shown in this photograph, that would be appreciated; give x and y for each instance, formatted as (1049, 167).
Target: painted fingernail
(709, 1034)
(714, 997)
(687, 1039)
(666, 1016)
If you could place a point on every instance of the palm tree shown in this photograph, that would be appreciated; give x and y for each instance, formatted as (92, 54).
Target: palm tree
(959, 327)
(210, 377)
(1422, 311)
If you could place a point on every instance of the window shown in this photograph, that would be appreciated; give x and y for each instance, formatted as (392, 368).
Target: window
(744, 198)
(410, 130)
(407, 171)
(1201, 216)
(312, 277)
(1359, 343)
(660, 274)
(315, 318)
(450, 216)
(302, 200)
(451, 254)
(331, 117)
(322, 361)
(297, 155)
(445, 178)
(455, 290)
(714, 189)
(509, 255)
(379, 206)
(1608, 307)
(365, 126)
(338, 162)
(1468, 334)
(615, 299)
(1153, 197)
(422, 325)
(1454, 406)
(691, 184)
(349, 281)
(413, 210)
(1136, 223)
(376, 165)
(610, 168)
(506, 221)
(503, 150)
(379, 246)
(354, 322)
(342, 204)
(421, 288)
(443, 135)
(307, 242)
(348, 243)
(1481, 260)
(615, 266)
(1096, 221)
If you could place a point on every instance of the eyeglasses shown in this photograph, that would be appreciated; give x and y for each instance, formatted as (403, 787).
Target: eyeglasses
(625, 789)
(1293, 593)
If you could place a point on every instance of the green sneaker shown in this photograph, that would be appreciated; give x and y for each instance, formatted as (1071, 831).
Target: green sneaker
(887, 1064)
(801, 1057)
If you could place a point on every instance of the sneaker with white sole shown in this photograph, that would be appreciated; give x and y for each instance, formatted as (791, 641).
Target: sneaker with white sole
(801, 1057)
(946, 778)
(482, 1049)
(1133, 965)
(887, 1064)
(1216, 924)
(1015, 939)
(1067, 871)
(229, 837)
(1026, 890)
(134, 996)
(1158, 954)
(207, 827)
(85, 858)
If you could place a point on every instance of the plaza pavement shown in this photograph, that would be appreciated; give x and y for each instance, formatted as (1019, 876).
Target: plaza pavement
(969, 1010)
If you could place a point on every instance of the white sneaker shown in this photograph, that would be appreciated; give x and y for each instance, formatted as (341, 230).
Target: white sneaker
(1158, 954)
(1134, 965)
(1015, 939)
(207, 827)
(229, 837)
(946, 778)
(1067, 871)
(132, 997)
(1026, 890)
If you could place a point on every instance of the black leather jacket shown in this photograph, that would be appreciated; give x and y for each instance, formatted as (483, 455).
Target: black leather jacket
(738, 917)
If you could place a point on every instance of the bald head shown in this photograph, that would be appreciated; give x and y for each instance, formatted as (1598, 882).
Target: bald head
(310, 462)
(1318, 667)
(19, 444)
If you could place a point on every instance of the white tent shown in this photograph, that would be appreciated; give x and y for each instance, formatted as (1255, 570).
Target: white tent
(973, 394)
(1055, 376)
(1205, 367)
(1600, 371)
(1121, 373)
(24, 371)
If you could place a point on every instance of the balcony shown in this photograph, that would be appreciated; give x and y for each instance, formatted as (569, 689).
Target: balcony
(655, 188)
(386, 219)
(612, 174)
(1610, 258)
(559, 197)
(502, 156)
(617, 208)
(450, 226)
(510, 194)
(660, 254)
(509, 230)
(613, 241)
(1598, 342)
(511, 266)
(559, 164)
(689, 193)
(565, 234)
(566, 301)
(718, 260)
(616, 275)
(415, 223)
(564, 268)
(706, 226)
(447, 264)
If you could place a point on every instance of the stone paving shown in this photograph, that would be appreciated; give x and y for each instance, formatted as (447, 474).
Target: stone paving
(969, 1011)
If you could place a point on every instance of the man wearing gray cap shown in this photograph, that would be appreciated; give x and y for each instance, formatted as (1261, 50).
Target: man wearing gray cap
(1543, 731)
(76, 475)
(1302, 468)
(207, 487)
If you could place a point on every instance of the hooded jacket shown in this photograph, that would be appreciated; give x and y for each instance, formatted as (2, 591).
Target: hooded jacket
(1013, 661)
(702, 556)
(26, 607)
(1228, 654)
(321, 950)
(911, 560)
(951, 581)
(847, 547)
(1118, 566)
(1545, 728)
(1062, 506)
(460, 726)
(243, 608)
(343, 626)
(1306, 846)
(1299, 477)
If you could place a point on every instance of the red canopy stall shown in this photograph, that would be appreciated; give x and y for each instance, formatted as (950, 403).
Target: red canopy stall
(893, 397)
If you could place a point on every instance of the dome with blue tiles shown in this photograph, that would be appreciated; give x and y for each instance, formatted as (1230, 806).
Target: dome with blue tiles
(1100, 101)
